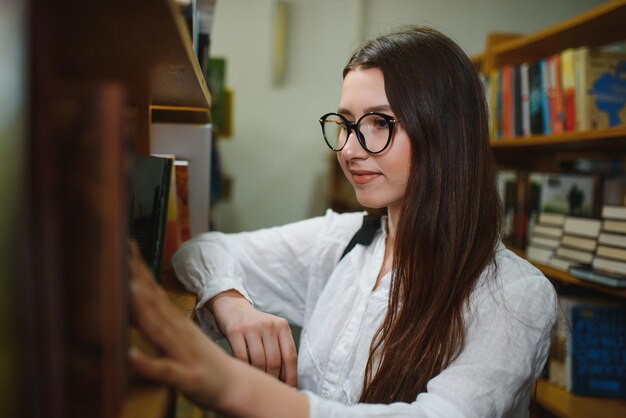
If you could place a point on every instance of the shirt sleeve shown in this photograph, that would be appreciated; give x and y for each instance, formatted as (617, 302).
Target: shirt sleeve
(509, 332)
(271, 267)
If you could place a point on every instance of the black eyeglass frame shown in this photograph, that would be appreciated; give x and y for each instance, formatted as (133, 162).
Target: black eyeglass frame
(354, 127)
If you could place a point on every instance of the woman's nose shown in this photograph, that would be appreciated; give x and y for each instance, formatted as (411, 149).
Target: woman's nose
(353, 149)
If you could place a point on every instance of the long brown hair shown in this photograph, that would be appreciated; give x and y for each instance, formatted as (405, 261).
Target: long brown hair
(450, 221)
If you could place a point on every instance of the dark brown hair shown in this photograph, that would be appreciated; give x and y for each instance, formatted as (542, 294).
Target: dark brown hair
(450, 220)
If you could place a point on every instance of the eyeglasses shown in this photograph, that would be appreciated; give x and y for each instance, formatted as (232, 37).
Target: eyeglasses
(373, 131)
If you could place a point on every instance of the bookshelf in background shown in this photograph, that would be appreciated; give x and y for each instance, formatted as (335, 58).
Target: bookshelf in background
(562, 146)
(96, 70)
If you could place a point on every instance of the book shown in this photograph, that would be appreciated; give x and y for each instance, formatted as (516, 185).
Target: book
(545, 242)
(602, 84)
(585, 227)
(586, 354)
(182, 195)
(608, 265)
(547, 231)
(598, 347)
(507, 101)
(545, 96)
(555, 94)
(172, 238)
(580, 256)
(600, 277)
(525, 99)
(615, 253)
(149, 196)
(611, 225)
(568, 83)
(516, 100)
(551, 218)
(539, 254)
(614, 212)
(580, 243)
(536, 103)
(616, 240)
(562, 264)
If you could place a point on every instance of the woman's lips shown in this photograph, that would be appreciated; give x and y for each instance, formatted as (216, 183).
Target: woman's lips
(364, 177)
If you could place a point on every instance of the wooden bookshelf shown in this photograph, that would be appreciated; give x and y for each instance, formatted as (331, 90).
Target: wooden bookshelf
(97, 70)
(599, 26)
(563, 404)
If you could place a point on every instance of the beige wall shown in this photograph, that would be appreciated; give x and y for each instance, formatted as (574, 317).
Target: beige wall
(277, 156)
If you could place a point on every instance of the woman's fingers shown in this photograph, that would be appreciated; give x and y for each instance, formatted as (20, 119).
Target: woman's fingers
(271, 347)
(238, 344)
(256, 351)
(289, 356)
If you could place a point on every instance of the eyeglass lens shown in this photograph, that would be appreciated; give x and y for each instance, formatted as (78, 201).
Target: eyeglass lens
(374, 130)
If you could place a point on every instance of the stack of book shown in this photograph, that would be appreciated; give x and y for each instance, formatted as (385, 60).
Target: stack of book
(577, 244)
(545, 237)
(608, 265)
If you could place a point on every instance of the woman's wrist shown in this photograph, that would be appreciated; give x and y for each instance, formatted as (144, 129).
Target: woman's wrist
(229, 297)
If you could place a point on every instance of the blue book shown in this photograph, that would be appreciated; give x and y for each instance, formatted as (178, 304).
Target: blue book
(600, 277)
(535, 98)
(598, 351)
(545, 86)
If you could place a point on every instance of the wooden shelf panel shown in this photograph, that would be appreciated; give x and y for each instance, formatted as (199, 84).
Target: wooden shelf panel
(599, 26)
(565, 277)
(145, 399)
(612, 138)
(144, 43)
(564, 404)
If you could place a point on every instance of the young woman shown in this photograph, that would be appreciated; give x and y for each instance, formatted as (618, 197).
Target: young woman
(428, 315)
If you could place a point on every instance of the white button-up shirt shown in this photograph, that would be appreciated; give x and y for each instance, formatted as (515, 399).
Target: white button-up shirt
(294, 271)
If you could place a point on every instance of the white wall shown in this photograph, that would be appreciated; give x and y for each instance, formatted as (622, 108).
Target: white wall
(277, 156)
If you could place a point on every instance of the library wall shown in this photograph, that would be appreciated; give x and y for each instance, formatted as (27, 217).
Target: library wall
(276, 156)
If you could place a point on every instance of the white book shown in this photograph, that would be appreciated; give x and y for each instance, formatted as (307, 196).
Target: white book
(611, 252)
(586, 227)
(548, 231)
(611, 266)
(549, 218)
(614, 226)
(581, 243)
(545, 242)
(562, 263)
(538, 254)
(614, 212)
(576, 255)
(617, 240)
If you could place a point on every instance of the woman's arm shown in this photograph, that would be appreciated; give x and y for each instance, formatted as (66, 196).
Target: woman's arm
(195, 365)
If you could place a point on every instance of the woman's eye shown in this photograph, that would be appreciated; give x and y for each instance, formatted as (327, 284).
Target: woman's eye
(380, 123)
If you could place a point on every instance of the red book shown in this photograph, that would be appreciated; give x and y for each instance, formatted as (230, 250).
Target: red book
(507, 101)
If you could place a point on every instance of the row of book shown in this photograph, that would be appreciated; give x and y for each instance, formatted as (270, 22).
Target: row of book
(577, 89)
(590, 249)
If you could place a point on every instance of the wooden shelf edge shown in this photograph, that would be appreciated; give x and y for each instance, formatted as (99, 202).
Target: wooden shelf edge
(560, 29)
(564, 404)
(560, 139)
(150, 400)
(567, 278)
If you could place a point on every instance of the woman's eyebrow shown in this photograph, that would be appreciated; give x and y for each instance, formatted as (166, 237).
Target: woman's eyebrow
(377, 108)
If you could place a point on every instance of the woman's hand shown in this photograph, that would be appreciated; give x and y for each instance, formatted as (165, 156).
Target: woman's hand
(263, 340)
(190, 361)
